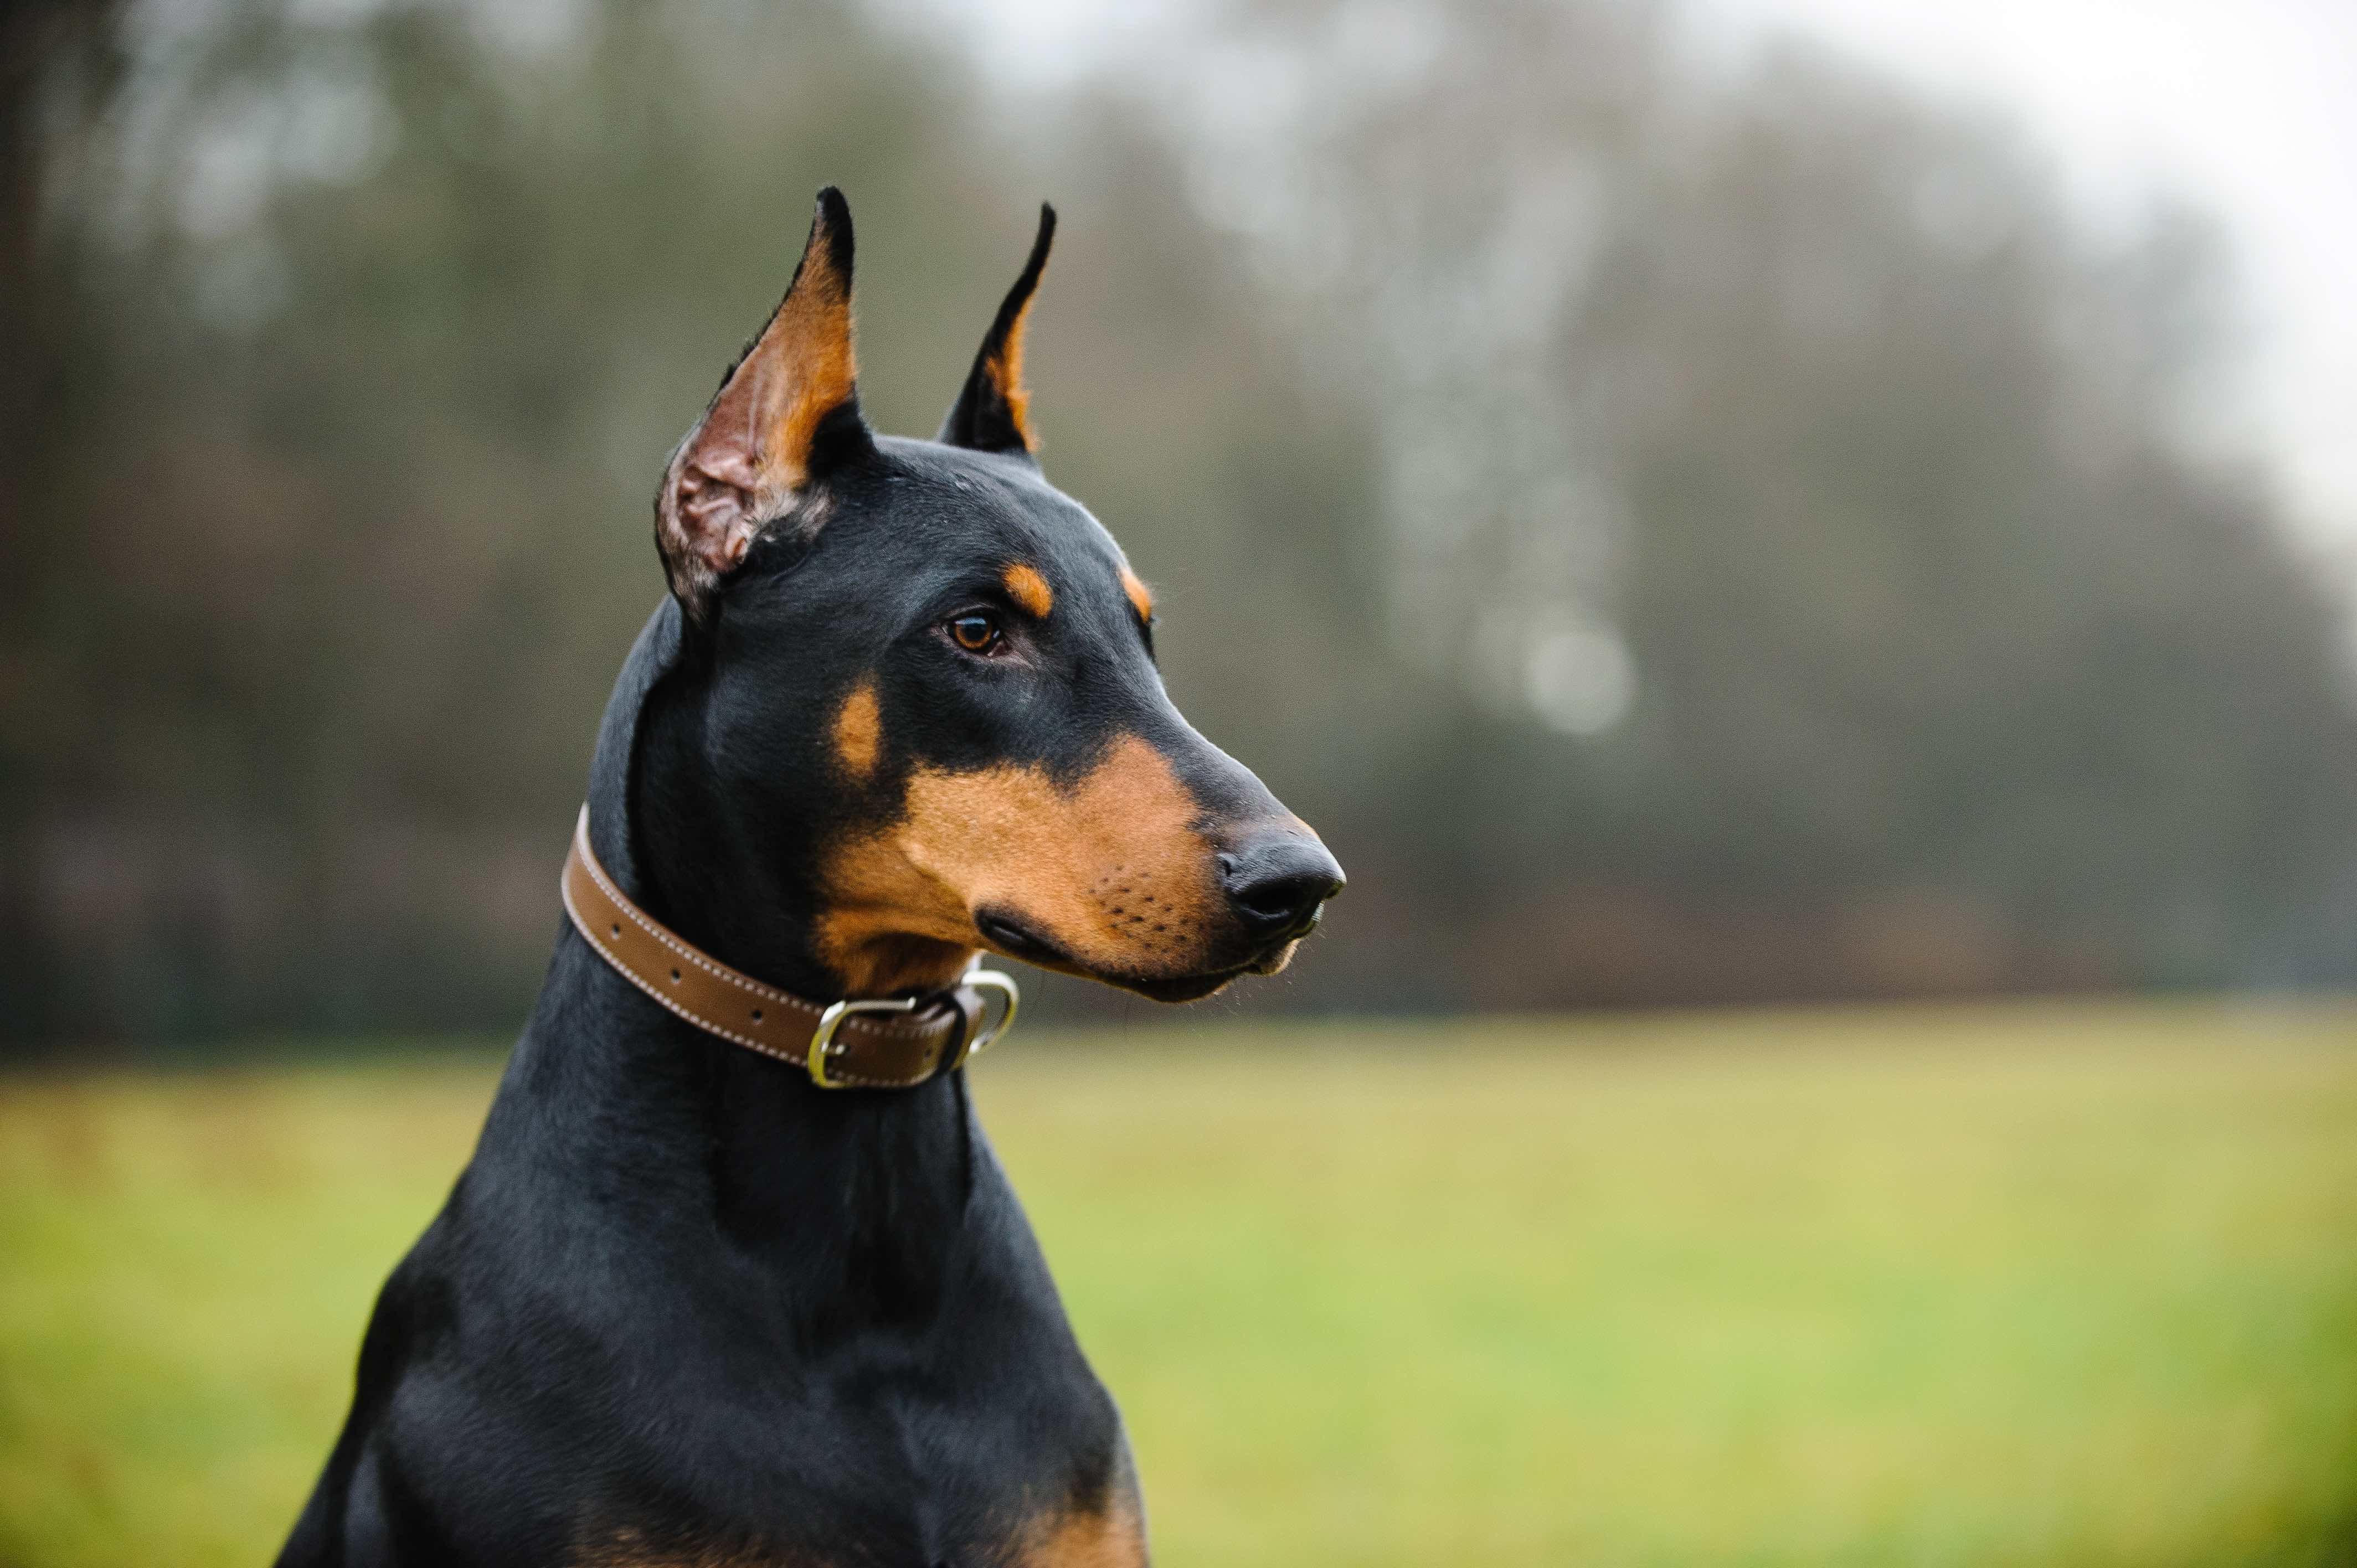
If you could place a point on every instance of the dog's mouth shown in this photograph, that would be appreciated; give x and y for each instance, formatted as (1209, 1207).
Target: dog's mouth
(1012, 938)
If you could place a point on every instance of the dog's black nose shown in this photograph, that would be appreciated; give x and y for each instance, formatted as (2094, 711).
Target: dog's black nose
(1276, 884)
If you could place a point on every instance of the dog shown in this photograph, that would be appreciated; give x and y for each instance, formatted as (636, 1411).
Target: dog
(733, 1276)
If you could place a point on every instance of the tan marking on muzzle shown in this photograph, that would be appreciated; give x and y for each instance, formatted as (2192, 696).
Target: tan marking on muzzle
(1027, 588)
(1111, 869)
(858, 732)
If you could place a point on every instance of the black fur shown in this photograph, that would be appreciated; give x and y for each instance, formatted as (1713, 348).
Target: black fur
(683, 1304)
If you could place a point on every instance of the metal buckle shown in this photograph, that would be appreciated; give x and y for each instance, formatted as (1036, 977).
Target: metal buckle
(822, 1037)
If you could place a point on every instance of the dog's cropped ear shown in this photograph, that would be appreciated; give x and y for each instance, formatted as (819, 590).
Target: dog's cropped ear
(991, 414)
(788, 411)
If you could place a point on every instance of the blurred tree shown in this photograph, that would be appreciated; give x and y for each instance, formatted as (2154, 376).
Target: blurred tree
(56, 64)
(1788, 449)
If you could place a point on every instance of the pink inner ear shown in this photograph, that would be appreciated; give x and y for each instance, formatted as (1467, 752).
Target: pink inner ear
(714, 505)
(729, 463)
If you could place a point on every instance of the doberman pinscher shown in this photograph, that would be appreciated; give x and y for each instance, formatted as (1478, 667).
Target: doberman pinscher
(734, 1277)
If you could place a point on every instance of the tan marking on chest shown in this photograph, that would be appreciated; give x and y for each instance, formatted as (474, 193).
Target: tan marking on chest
(627, 1547)
(1115, 1539)
(625, 1557)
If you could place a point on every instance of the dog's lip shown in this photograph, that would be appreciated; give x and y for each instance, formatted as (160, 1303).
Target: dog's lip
(1015, 939)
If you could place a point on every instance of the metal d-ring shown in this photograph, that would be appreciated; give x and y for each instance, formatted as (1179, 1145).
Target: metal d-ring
(983, 979)
(822, 1037)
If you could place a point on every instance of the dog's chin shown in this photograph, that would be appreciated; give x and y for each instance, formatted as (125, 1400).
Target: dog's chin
(1180, 988)
(1276, 958)
(1172, 988)
(1194, 988)
(1010, 936)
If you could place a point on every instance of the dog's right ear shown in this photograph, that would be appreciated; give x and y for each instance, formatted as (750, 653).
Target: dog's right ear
(788, 412)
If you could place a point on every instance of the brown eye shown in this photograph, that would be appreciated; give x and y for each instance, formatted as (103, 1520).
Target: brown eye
(975, 633)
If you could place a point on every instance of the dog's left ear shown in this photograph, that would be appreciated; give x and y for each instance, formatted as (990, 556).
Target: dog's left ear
(991, 414)
(788, 412)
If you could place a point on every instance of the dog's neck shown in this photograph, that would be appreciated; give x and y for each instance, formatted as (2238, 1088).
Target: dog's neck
(662, 831)
(742, 891)
(745, 889)
(862, 1186)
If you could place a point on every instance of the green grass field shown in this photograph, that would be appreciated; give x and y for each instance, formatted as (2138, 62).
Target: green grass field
(2026, 1285)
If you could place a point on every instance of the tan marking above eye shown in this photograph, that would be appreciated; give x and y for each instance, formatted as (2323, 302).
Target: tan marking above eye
(1110, 869)
(1028, 589)
(1141, 598)
(859, 731)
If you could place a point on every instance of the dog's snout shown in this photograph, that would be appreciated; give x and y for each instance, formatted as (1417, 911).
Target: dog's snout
(1278, 884)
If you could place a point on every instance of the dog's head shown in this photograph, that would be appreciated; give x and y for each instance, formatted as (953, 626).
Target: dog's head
(928, 688)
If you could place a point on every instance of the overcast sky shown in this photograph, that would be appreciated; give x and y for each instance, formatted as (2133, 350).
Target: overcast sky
(2249, 107)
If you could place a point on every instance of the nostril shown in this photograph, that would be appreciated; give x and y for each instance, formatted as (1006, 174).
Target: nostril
(1282, 899)
(1277, 886)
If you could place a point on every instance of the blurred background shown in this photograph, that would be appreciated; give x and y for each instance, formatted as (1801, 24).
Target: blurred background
(1690, 519)
(1719, 505)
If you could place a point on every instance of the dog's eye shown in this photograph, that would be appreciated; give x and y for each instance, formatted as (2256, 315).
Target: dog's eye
(975, 633)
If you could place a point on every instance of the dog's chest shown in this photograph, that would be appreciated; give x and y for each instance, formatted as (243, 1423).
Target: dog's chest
(883, 1479)
(1112, 1536)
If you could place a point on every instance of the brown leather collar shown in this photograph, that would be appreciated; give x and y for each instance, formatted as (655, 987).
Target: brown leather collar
(870, 1045)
